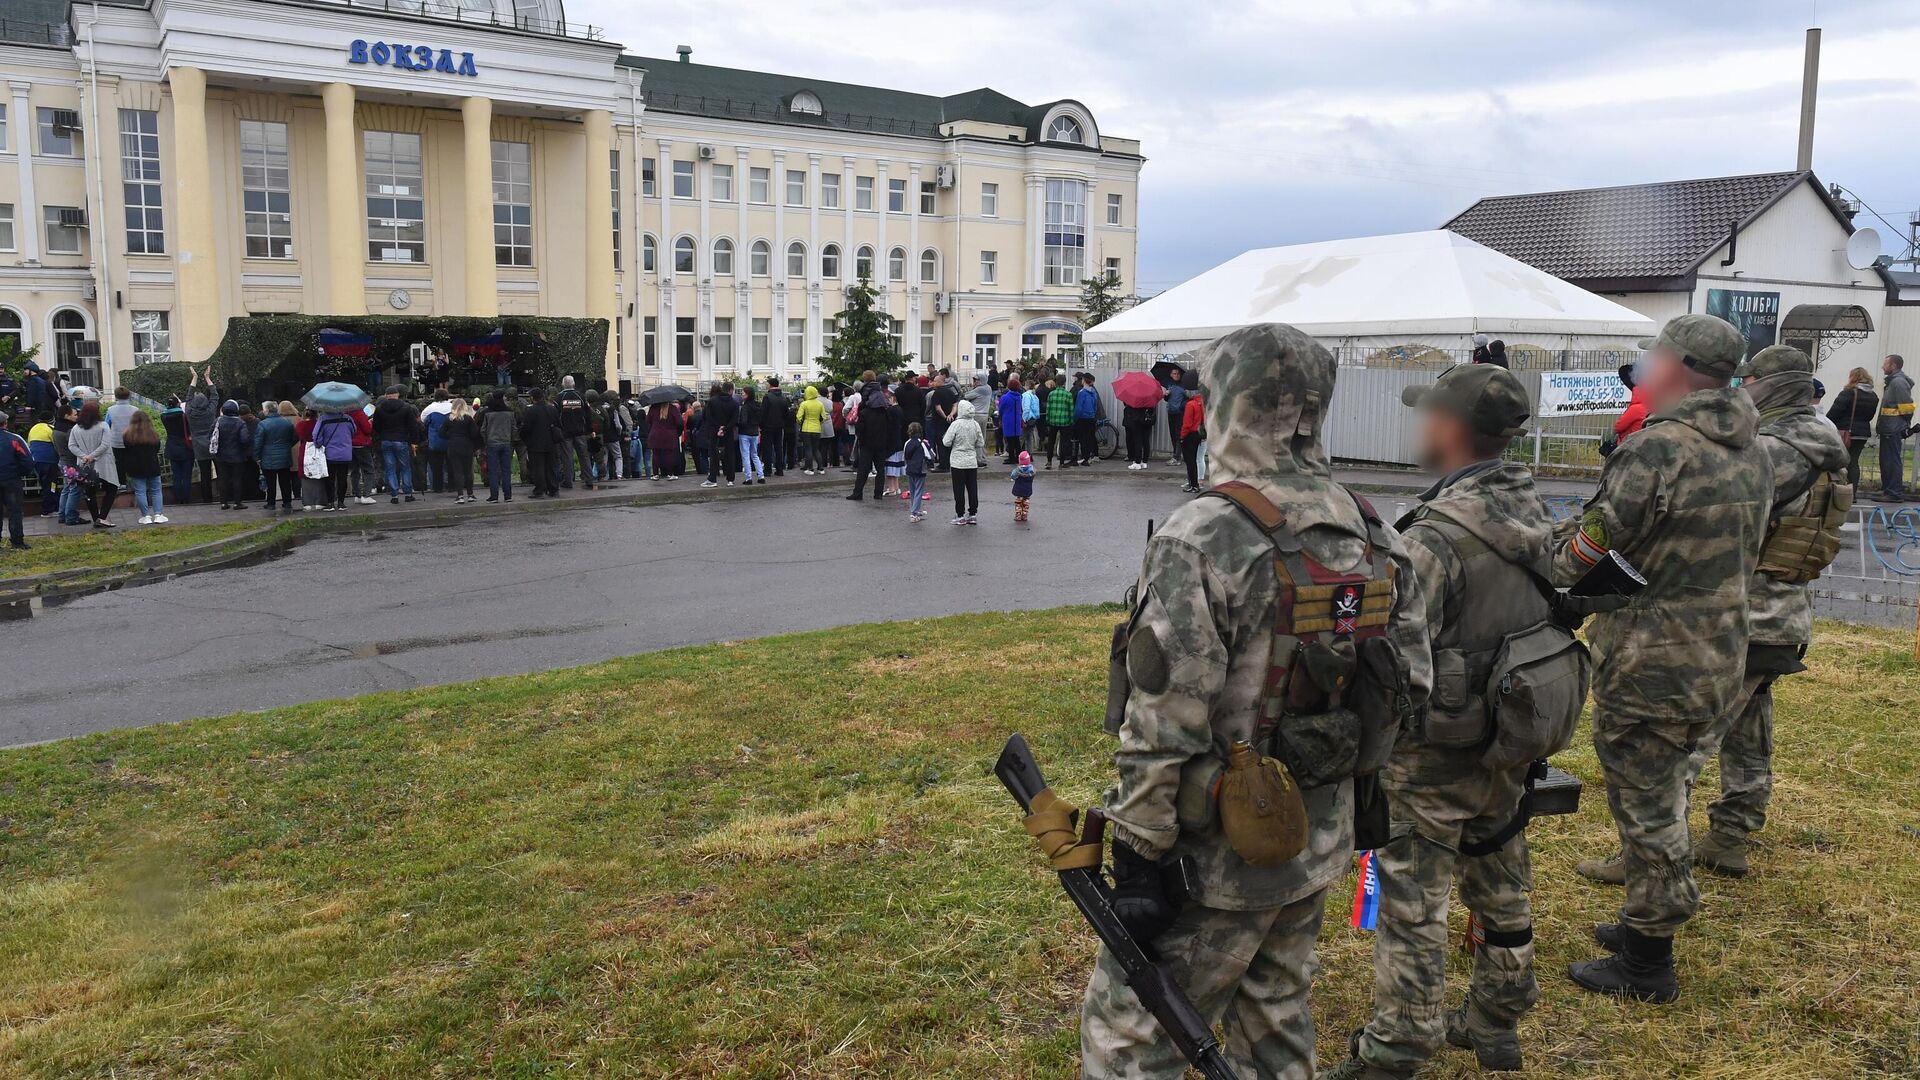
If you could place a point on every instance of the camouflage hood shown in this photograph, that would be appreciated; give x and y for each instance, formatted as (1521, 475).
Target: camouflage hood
(1268, 389)
(1726, 416)
(1785, 403)
(1501, 507)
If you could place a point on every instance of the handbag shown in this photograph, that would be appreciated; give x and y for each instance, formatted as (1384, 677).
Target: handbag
(1853, 417)
(313, 464)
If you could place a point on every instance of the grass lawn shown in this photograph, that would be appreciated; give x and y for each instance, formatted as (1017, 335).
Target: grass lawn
(788, 858)
(87, 547)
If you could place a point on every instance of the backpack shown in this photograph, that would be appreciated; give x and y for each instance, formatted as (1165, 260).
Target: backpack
(1800, 546)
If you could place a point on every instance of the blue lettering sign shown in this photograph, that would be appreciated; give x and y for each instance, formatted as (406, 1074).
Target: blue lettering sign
(411, 58)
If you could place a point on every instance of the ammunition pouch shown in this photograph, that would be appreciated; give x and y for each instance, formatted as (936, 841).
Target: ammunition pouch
(1800, 546)
(1457, 716)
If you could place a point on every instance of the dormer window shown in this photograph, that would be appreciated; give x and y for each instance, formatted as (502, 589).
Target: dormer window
(805, 103)
(1065, 129)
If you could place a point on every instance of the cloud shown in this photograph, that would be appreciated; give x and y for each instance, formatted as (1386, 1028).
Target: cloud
(1275, 121)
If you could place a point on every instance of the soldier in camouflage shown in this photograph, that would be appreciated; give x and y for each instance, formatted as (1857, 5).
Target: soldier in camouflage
(1685, 501)
(1197, 654)
(1809, 463)
(1480, 540)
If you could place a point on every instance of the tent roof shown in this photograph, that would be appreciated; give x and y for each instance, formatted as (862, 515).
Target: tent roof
(1423, 283)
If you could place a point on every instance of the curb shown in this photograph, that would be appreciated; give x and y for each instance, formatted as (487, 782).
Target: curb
(282, 535)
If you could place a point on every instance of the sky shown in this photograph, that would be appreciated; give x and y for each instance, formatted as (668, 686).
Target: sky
(1271, 122)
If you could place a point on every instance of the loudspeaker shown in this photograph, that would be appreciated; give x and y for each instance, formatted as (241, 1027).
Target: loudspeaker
(626, 388)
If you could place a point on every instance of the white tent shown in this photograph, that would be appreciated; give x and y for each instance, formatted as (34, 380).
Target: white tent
(1424, 289)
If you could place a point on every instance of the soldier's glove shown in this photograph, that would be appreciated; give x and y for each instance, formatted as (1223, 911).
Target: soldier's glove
(1140, 898)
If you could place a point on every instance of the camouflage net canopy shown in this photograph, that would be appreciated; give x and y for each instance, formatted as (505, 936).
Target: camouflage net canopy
(282, 356)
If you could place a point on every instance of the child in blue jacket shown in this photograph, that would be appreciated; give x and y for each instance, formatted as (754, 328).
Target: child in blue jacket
(1022, 477)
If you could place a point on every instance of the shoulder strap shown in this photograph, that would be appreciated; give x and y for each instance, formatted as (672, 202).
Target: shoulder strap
(1258, 507)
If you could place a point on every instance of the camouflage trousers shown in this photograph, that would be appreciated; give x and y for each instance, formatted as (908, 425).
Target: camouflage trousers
(1246, 970)
(1649, 772)
(1440, 802)
(1744, 743)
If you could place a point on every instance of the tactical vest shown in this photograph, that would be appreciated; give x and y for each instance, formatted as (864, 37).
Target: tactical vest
(1803, 536)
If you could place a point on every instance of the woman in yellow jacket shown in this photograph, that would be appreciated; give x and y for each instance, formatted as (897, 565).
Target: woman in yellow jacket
(813, 416)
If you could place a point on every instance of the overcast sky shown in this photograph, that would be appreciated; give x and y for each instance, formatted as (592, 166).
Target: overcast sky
(1278, 122)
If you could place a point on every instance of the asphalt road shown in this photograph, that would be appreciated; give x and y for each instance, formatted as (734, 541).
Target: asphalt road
(350, 614)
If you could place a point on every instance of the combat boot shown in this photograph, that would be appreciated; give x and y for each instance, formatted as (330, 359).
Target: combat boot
(1641, 971)
(1611, 870)
(1496, 1046)
(1608, 935)
(1723, 853)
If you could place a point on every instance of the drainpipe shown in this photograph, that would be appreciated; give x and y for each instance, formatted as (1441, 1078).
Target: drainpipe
(103, 288)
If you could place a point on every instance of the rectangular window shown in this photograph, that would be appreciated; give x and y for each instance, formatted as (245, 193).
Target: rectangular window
(6, 227)
(1113, 209)
(721, 183)
(829, 330)
(927, 343)
(140, 181)
(613, 168)
(863, 193)
(512, 204)
(896, 329)
(723, 343)
(929, 197)
(647, 179)
(650, 340)
(830, 190)
(1113, 270)
(683, 331)
(396, 198)
(989, 267)
(986, 350)
(266, 190)
(1032, 345)
(796, 341)
(757, 186)
(896, 196)
(152, 344)
(796, 187)
(683, 179)
(1066, 231)
(62, 239)
(762, 355)
(56, 133)
(989, 200)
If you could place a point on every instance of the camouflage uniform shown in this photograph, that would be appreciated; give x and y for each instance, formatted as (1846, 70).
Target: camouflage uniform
(1200, 638)
(1800, 447)
(1685, 501)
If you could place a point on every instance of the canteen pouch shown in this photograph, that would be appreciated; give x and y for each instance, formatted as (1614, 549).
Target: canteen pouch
(1261, 812)
(1534, 693)
(1456, 714)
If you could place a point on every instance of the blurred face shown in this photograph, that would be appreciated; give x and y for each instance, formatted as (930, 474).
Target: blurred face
(1664, 379)
(1444, 443)
(1887, 366)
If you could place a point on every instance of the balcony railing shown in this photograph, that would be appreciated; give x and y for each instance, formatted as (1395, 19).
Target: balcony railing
(758, 110)
(452, 11)
(22, 32)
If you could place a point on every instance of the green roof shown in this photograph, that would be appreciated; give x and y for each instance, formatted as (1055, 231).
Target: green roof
(739, 94)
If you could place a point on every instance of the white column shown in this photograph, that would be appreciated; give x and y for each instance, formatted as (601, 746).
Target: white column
(1036, 230)
(910, 329)
(815, 282)
(880, 235)
(777, 189)
(665, 341)
(703, 255)
(847, 275)
(742, 265)
(27, 226)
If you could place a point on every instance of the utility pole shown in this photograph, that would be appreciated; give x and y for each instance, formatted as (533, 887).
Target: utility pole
(1809, 94)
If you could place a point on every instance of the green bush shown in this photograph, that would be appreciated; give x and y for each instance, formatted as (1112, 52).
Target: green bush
(158, 381)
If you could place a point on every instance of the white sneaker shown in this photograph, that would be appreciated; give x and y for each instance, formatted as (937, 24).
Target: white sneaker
(961, 520)
(708, 484)
(148, 520)
(159, 519)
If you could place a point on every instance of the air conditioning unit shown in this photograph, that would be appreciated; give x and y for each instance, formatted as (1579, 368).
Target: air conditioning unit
(706, 341)
(89, 291)
(64, 121)
(73, 217)
(944, 177)
(86, 349)
(706, 152)
(942, 303)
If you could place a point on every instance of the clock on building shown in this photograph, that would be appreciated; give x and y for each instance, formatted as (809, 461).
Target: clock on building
(400, 299)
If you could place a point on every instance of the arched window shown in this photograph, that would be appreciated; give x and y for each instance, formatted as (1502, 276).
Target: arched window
(649, 255)
(830, 261)
(1065, 129)
(723, 258)
(683, 255)
(796, 259)
(69, 330)
(929, 266)
(863, 262)
(806, 103)
(13, 328)
(760, 259)
(897, 264)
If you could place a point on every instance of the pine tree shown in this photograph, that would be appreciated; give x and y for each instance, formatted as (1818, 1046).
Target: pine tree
(863, 338)
(1100, 298)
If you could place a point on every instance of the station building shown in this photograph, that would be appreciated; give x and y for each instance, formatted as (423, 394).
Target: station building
(166, 165)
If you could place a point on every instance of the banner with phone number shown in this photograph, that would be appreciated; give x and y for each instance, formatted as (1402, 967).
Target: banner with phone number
(1582, 393)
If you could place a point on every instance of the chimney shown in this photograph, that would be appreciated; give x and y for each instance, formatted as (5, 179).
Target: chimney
(1809, 94)
(686, 52)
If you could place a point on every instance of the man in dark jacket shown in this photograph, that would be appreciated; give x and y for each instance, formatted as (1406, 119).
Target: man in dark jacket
(540, 434)
(874, 432)
(393, 424)
(775, 418)
(940, 402)
(575, 427)
(1896, 422)
(202, 413)
(15, 463)
(718, 423)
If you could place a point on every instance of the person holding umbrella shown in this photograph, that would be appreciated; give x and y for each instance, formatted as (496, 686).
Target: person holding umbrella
(1177, 393)
(1139, 394)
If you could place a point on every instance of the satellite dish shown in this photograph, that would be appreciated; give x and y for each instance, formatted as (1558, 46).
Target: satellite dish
(1863, 249)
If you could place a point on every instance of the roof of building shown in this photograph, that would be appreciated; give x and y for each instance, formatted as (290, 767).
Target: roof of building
(35, 22)
(1639, 236)
(736, 93)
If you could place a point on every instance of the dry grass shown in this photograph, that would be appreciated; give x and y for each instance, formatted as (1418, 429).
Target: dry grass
(787, 858)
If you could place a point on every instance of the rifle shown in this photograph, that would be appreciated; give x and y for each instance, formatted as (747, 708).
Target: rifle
(1146, 974)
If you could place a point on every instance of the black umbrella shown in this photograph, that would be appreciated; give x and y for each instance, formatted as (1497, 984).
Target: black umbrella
(666, 394)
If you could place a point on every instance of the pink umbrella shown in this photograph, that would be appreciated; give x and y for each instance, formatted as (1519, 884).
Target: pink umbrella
(1138, 390)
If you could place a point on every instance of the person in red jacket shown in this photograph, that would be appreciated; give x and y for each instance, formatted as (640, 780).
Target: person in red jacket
(1634, 416)
(1193, 429)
